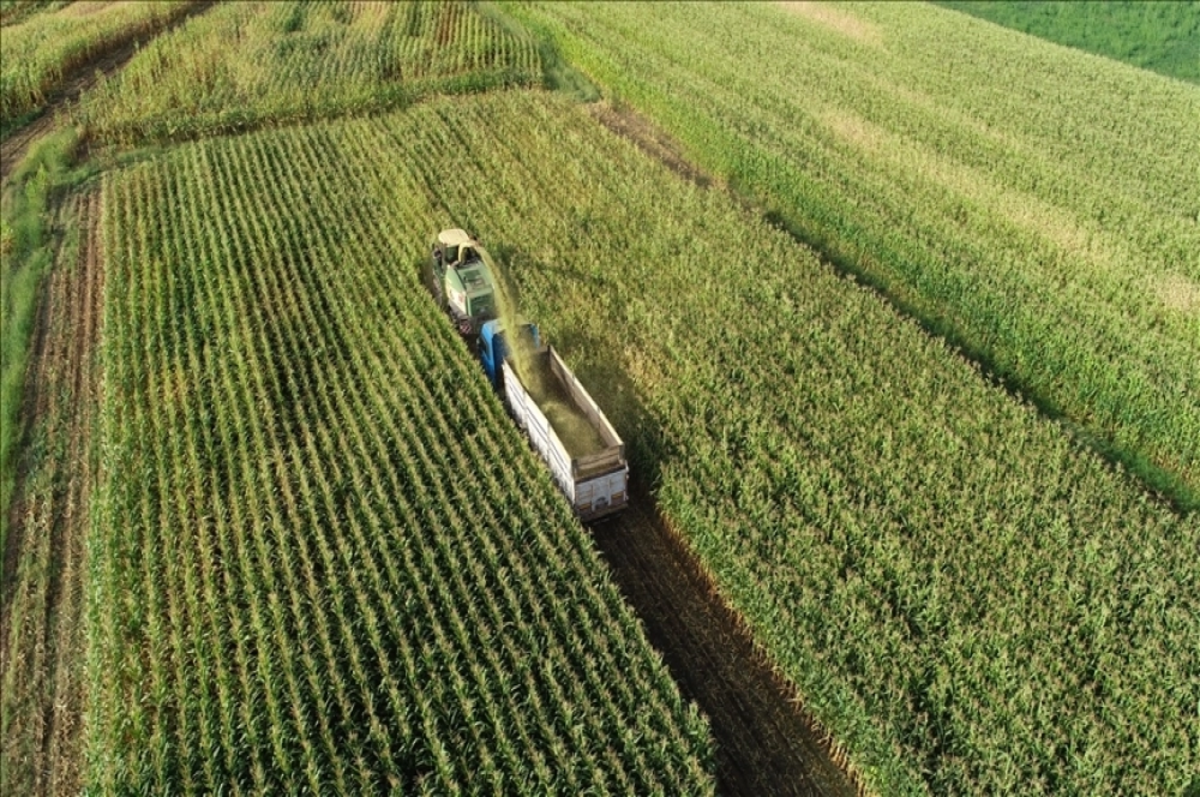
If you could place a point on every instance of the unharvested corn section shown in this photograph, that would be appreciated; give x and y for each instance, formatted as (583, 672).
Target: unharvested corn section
(322, 561)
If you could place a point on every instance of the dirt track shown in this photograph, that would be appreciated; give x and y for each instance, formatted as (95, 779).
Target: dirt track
(82, 331)
(766, 745)
(629, 124)
(44, 567)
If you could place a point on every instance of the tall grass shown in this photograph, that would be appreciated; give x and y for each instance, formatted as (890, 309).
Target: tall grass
(27, 244)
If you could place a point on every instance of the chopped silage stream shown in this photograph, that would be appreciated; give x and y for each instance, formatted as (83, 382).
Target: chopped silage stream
(573, 428)
(569, 422)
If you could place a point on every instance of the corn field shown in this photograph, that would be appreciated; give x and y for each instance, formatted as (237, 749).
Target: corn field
(1037, 206)
(971, 600)
(955, 506)
(324, 560)
(310, 484)
(40, 48)
(246, 64)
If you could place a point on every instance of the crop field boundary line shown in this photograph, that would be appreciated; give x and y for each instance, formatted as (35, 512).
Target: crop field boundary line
(625, 121)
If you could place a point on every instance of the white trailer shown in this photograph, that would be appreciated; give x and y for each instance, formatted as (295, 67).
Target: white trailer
(596, 482)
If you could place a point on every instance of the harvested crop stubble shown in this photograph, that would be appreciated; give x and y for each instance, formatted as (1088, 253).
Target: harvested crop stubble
(570, 424)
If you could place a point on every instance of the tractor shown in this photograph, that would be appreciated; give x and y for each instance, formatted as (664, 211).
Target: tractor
(461, 281)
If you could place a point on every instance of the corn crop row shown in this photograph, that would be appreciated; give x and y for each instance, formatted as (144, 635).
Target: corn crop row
(1037, 207)
(43, 48)
(970, 599)
(248, 64)
(324, 560)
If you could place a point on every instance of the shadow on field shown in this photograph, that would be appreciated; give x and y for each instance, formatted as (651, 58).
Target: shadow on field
(766, 743)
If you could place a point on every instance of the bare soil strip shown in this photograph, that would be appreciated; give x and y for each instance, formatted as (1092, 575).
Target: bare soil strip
(79, 80)
(42, 632)
(654, 142)
(766, 742)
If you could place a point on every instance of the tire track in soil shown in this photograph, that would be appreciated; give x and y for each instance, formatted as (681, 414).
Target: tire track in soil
(78, 80)
(46, 577)
(65, 712)
(766, 743)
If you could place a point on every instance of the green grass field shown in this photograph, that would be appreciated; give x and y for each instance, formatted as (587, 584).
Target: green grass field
(1162, 35)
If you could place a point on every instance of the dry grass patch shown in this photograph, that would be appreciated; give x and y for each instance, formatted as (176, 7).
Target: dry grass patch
(1179, 293)
(838, 20)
